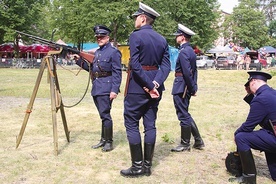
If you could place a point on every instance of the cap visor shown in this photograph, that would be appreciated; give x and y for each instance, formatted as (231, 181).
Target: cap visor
(96, 35)
(246, 84)
(177, 34)
(136, 14)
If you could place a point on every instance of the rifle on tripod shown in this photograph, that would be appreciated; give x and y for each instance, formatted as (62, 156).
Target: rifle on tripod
(65, 48)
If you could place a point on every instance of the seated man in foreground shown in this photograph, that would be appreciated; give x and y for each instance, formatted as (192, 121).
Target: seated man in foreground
(262, 100)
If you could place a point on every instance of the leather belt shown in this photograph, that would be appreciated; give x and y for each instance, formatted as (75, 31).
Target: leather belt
(101, 74)
(178, 74)
(149, 67)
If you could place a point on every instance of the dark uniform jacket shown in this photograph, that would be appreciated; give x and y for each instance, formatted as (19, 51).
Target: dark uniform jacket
(262, 109)
(185, 64)
(147, 48)
(107, 59)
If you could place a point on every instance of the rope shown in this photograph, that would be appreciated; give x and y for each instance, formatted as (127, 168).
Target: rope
(70, 106)
(58, 94)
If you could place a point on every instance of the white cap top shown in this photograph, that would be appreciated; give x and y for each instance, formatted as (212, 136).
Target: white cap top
(145, 9)
(184, 30)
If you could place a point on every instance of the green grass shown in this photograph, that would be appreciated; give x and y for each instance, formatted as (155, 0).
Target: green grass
(218, 110)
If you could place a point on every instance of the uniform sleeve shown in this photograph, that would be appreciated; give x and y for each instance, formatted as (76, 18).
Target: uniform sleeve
(136, 68)
(116, 71)
(164, 68)
(187, 71)
(256, 116)
(83, 64)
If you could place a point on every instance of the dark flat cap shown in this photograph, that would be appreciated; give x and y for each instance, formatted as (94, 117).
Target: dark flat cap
(101, 30)
(257, 75)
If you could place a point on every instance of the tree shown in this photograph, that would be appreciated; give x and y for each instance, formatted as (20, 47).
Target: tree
(272, 33)
(268, 7)
(246, 26)
(74, 19)
(200, 16)
(19, 15)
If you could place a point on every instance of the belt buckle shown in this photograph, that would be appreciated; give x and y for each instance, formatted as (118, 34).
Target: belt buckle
(96, 75)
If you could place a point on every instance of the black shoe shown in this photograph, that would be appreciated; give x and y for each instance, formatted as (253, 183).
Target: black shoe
(108, 134)
(199, 144)
(108, 146)
(185, 140)
(245, 178)
(181, 147)
(100, 144)
(137, 169)
(148, 155)
(248, 169)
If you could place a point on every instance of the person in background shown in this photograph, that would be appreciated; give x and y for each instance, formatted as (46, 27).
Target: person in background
(247, 62)
(149, 68)
(240, 62)
(262, 101)
(185, 86)
(106, 75)
(273, 60)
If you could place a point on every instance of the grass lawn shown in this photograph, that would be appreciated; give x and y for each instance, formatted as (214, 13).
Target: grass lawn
(218, 110)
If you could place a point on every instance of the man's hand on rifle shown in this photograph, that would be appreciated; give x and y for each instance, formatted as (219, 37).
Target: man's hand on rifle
(75, 56)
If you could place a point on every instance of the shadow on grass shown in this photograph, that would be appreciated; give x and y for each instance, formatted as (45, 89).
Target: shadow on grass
(261, 166)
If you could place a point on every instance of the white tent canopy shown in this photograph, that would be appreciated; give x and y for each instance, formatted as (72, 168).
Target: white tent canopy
(221, 49)
(61, 42)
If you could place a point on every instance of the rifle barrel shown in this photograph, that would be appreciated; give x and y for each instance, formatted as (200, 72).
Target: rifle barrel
(66, 48)
(49, 43)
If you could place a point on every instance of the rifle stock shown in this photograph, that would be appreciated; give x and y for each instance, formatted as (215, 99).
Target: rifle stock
(65, 48)
(88, 57)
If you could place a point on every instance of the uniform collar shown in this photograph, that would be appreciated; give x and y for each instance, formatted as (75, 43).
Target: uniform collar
(261, 89)
(184, 45)
(146, 27)
(105, 46)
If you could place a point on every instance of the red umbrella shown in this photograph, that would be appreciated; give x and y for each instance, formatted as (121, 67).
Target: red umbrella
(26, 48)
(7, 47)
(39, 48)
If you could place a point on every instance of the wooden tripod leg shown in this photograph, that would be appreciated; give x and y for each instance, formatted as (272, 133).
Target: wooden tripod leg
(67, 132)
(53, 103)
(30, 105)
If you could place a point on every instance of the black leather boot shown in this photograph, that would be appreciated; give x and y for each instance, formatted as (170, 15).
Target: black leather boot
(248, 169)
(137, 169)
(148, 154)
(199, 144)
(108, 135)
(185, 140)
(102, 141)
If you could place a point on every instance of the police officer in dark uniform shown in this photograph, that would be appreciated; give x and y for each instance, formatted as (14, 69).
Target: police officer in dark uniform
(106, 75)
(149, 67)
(185, 86)
(262, 100)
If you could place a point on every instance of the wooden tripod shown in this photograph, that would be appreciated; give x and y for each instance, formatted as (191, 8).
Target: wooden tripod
(56, 101)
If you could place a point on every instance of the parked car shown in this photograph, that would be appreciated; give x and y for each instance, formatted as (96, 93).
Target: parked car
(226, 62)
(204, 62)
(258, 61)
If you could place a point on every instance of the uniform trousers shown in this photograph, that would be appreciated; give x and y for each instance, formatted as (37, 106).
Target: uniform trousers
(263, 140)
(182, 106)
(103, 104)
(137, 106)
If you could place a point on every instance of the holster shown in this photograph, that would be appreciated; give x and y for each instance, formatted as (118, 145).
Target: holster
(127, 81)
